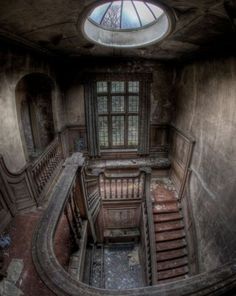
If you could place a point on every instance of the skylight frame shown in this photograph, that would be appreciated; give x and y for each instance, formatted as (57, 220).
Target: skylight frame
(120, 29)
(141, 37)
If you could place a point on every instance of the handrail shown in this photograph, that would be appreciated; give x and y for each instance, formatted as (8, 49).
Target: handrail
(150, 224)
(213, 283)
(146, 241)
(45, 166)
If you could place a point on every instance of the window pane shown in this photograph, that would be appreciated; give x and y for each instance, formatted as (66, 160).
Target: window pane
(133, 86)
(98, 13)
(102, 104)
(117, 130)
(101, 86)
(144, 12)
(117, 86)
(118, 104)
(133, 103)
(133, 130)
(112, 16)
(103, 130)
(129, 16)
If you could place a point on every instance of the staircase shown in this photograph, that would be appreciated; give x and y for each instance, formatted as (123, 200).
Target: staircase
(171, 246)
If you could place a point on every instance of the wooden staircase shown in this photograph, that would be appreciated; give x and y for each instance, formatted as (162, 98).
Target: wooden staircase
(171, 246)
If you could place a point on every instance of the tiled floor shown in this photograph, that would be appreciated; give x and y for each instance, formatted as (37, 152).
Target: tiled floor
(122, 268)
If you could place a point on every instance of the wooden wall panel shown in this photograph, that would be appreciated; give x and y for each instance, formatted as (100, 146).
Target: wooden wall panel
(121, 216)
(180, 154)
(159, 139)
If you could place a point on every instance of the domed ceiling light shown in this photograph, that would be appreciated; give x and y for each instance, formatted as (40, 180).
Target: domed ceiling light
(127, 23)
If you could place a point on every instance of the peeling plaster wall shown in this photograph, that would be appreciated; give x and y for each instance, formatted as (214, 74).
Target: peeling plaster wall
(161, 94)
(75, 104)
(14, 66)
(206, 109)
(161, 88)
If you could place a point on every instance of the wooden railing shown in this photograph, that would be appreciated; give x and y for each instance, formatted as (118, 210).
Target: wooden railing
(214, 283)
(46, 166)
(91, 185)
(145, 245)
(121, 186)
(26, 188)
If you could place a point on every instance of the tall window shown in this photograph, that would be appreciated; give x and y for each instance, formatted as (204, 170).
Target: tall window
(118, 113)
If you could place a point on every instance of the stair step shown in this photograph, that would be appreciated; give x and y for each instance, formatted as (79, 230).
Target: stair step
(167, 217)
(170, 245)
(176, 278)
(172, 273)
(171, 254)
(172, 264)
(169, 235)
(166, 208)
(169, 225)
(166, 200)
(163, 194)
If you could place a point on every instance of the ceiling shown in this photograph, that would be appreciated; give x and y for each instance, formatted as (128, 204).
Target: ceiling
(202, 27)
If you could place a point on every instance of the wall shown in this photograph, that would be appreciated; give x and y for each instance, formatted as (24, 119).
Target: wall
(15, 64)
(206, 109)
(161, 92)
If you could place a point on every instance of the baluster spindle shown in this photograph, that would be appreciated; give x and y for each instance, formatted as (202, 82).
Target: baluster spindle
(110, 186)
(122, 191)
(133, 184)
(105, 186)
(116, 195)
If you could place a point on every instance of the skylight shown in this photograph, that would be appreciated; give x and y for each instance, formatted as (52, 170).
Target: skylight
(127, 23)
(125, 15)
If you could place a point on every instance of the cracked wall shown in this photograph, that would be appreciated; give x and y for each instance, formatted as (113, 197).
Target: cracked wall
(206, 110)
(15, 64)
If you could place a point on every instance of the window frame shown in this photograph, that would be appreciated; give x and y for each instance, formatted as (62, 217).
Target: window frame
(126, 113)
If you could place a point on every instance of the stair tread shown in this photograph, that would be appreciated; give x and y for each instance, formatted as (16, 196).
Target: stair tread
(169, 225)
(172, 273)
(166, 208)
(171, 254)
(171, 245)
(176, 278)
(173, 263)
(161, 217)
(169, 235)
(166, 200)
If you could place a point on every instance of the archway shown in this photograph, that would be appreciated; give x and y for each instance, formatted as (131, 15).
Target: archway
(35, 114)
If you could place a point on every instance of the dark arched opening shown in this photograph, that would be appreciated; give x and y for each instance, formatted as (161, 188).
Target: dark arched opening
(35, 115)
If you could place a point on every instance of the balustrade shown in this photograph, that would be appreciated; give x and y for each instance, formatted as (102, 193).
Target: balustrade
(216, 282)
(121, 186)
(46, 165)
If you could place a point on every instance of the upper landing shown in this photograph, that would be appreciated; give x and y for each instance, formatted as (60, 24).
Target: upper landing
(152, 162)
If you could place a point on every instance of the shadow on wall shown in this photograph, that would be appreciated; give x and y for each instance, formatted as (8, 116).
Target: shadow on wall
(34, 111)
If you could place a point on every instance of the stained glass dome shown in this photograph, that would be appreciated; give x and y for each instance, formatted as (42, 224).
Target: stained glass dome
(125, 14)
(127, 23)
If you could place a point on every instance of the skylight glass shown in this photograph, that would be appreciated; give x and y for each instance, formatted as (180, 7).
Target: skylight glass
(127, 23)
(125, 14)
